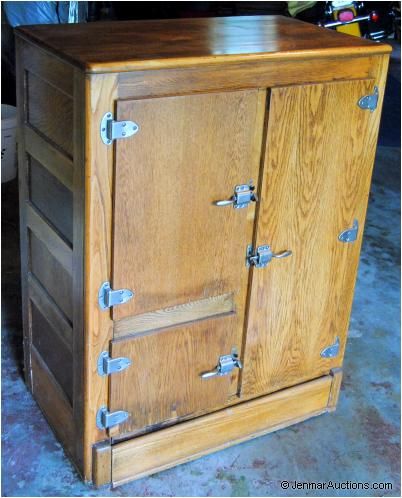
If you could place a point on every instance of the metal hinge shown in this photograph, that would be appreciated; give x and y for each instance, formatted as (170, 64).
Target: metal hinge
(110, 129)
(332, 350)
(262, 256)
(226, 364)
(369, 101)
(243, 195)
(107, 297)
(350, 234)
(106, 419)
(107, 365)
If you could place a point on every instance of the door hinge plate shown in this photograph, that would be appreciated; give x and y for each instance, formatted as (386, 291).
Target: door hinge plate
(106, 419)
(111, 130)
(370, 101)
(332, 350)
(107, 365)
(107, 297)
(350, 234)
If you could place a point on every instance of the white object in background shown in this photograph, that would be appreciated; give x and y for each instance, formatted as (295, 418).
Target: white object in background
(8, 142)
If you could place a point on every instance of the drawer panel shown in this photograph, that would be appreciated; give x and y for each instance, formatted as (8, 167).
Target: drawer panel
(163, 383)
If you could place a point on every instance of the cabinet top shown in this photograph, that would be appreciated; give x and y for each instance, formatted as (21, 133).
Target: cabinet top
(117, 46)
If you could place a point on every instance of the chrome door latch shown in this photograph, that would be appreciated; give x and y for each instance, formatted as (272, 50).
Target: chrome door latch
(106, 419)
(350, 234)
(107, 365)
(370, 101)
(332, 350)
(262, 256)
(111, 130)
(243, 195)
(107, 297)
(226, 364)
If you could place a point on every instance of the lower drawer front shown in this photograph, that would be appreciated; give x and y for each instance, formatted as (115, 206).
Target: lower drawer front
(163, 384)
(160, 450)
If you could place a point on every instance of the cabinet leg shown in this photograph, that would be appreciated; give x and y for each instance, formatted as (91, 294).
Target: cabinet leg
(102, 464)
(336, 374)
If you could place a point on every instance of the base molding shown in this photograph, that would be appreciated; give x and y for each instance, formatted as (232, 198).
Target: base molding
(151, 453)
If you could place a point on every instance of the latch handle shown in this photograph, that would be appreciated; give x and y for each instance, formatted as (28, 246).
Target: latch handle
(226, 364)
(226, 202)
(243, 195)
(283, 254)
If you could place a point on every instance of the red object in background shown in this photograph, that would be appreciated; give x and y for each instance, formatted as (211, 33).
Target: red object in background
(346, 15)
(374, 16)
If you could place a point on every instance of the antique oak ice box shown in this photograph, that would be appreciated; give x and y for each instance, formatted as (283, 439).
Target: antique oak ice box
(193, 196)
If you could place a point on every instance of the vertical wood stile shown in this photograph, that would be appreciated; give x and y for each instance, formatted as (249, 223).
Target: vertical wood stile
(100, 93)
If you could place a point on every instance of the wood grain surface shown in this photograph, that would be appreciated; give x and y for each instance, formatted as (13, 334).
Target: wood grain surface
(319, 157)
(163, 382)
(163, 449)
(235, 76)
(99, 95)
(133, 45)
(182, 313)
(190, 152)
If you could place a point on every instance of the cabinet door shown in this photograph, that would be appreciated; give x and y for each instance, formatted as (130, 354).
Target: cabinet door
(172, 244)
(164, 384)
(318, 161)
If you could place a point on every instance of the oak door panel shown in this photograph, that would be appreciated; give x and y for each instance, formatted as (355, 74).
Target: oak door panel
(163, 383)
(172, 245)
(318, 163)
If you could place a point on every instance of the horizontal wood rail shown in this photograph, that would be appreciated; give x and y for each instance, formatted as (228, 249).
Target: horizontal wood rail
(163, 449)
(55, 161)
(175, 315)
(50, 310)
(46, 234)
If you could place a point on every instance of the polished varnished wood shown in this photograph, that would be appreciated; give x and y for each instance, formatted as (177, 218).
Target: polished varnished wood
(53, 402)
(135, 45)
(102, 463)
(54, 351)
(335, 388)
(165, 381)
(100, 93)
(182, 313)
(40, 297)
(259, 74)
(178, 182)
(51, 198)
(193, 439)
(49, 156)
(299, 305)
(56, 127)
(219, 102)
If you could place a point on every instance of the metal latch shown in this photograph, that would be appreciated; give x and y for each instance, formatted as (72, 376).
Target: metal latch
(263, 255)
(107, 365)
(332, 350)
(369, 101)
(350, 234)
(106, 419)
(107, 297)
(243, 195)
(226, 364)
(110, 129)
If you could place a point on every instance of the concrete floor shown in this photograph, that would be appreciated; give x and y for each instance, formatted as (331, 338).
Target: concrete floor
(360, 442)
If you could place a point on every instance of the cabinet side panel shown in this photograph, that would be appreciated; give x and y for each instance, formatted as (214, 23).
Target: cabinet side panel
(49, 244)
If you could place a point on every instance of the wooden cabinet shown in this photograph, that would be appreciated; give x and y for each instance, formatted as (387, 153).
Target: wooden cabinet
(193, 197)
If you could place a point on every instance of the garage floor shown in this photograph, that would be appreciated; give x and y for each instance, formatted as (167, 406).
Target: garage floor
(357, 443)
